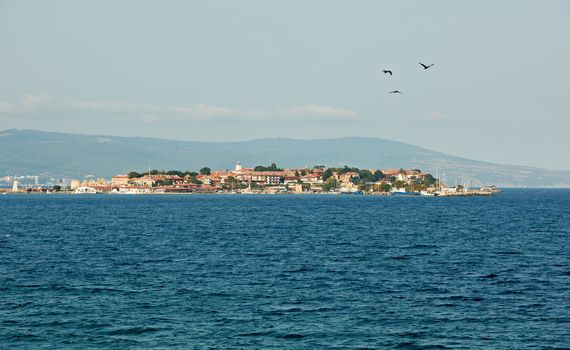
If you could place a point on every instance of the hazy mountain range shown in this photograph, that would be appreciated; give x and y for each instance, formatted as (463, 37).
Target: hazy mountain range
(50, 154)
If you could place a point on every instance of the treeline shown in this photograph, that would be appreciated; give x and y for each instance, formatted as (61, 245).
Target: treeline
(190, 176)
(272, 167)
(365, 175)
(364, 178)
(203, 171)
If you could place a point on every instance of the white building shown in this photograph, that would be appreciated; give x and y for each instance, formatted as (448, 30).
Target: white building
(15, 185)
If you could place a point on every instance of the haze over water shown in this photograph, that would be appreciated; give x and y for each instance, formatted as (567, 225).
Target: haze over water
(303, 272)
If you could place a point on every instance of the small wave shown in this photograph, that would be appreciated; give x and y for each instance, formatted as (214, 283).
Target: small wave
(407, 345)
(157, 260)
(281, 311)
(253, 334)
(401, 257)
(25, 336)
(446, 305)
(302, 269)
(257, 283)
(463, 298)
(293, 309)
(491, 275)
(509, 252)
(104, 289)
(184, 291)
(412, 345)
(257, 254)
(293, 336)
(220, 294)
(132, 330)
(274, 313)
(420, 246)
(321, 309)
(412, 334)
(513, 292)
(19, 305)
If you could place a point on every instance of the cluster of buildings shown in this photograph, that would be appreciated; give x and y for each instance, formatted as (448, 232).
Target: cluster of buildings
(271, 180)
(249, 180)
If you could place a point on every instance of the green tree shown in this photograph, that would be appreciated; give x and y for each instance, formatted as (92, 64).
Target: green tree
(366, 176)
(379, 175)
(193, 180)
(428, 180)
(134, 174)
(165, 182)
(347, 169)
(175, 173)
(303, 172)
(399, 184)
(56, 188)
(327, 174)
(205, 171)
(232, 182)
(272, 167)
(330, 184)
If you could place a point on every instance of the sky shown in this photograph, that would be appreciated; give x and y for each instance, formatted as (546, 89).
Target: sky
(228, 70)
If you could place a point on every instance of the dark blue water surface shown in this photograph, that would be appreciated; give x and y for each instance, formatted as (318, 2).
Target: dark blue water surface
(287, 272)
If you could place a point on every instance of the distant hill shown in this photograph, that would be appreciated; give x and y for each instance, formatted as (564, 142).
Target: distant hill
(49, 154)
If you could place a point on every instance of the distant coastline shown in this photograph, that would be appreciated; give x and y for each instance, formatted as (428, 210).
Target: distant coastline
(267, 180)
(53, 156)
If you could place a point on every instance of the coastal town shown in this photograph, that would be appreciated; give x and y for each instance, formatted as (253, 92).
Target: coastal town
(268, 180)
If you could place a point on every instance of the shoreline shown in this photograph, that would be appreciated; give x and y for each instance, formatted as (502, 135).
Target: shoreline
(375, 194)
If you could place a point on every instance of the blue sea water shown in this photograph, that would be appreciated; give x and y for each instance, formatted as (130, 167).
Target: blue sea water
(285, 271)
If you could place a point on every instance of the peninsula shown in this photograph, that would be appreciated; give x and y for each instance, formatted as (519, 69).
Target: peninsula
(272, 180)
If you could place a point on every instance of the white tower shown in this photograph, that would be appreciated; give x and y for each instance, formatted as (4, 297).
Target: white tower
(15, 185)
(238, 166)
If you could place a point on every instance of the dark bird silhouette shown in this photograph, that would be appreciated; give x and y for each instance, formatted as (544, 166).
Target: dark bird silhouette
(386, 71)
(426, 67)
(395, 92)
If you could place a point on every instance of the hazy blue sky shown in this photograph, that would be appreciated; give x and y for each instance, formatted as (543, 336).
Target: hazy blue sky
(229, 70)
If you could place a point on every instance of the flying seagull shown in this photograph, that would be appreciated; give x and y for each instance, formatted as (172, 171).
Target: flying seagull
(386, 71)
(395, 92)
(426, 67)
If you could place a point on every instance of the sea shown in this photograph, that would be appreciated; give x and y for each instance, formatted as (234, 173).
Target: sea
(285, 271)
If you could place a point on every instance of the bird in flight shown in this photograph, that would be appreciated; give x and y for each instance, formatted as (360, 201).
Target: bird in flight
(426, 67)
(395, 92)
(386, 71)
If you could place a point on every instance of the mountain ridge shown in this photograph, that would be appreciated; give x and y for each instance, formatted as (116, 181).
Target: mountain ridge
(56, 154)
